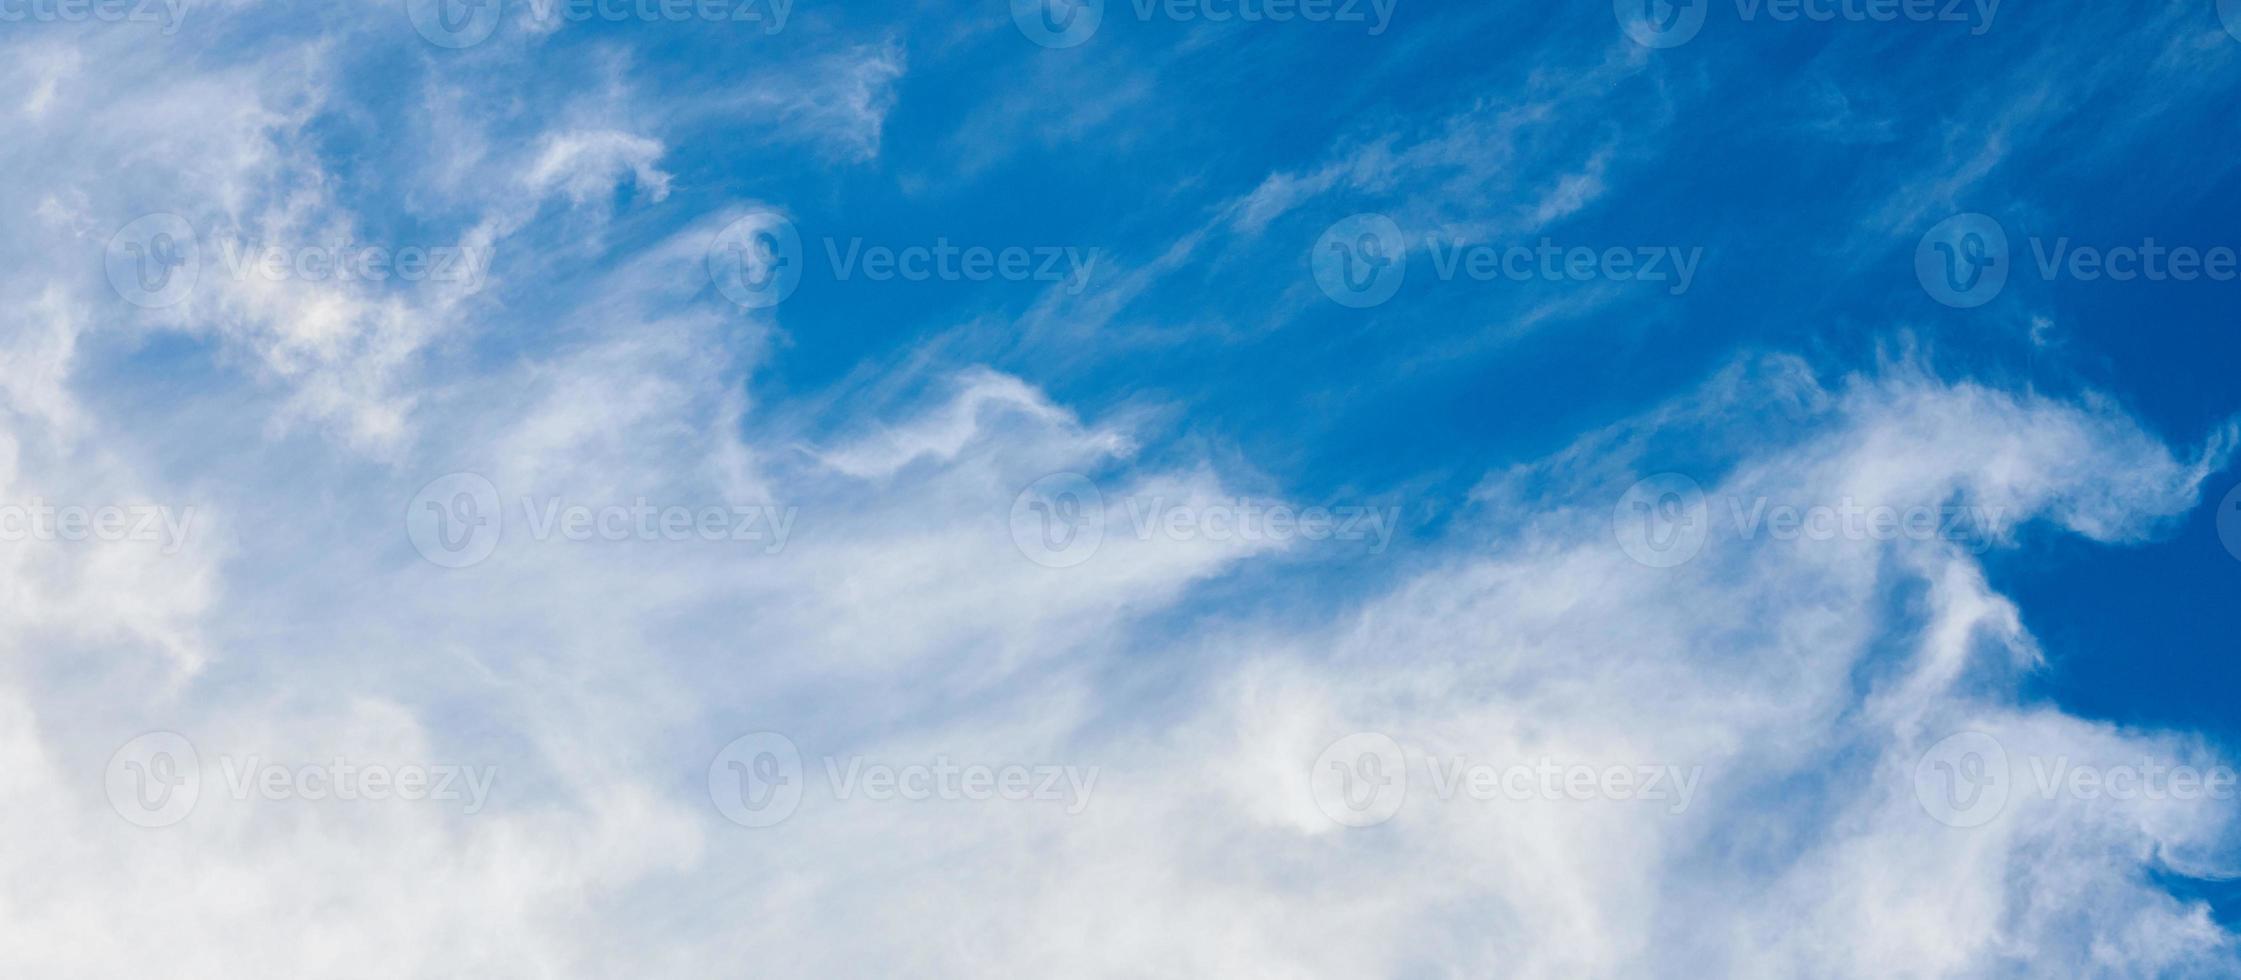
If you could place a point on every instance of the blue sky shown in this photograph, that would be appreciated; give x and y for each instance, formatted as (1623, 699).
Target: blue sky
(1535, 323)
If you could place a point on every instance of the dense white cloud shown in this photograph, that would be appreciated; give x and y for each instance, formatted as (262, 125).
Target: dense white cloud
(901, 625)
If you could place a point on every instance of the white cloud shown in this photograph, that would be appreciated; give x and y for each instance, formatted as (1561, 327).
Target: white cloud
(586, 165)
(903, 622)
